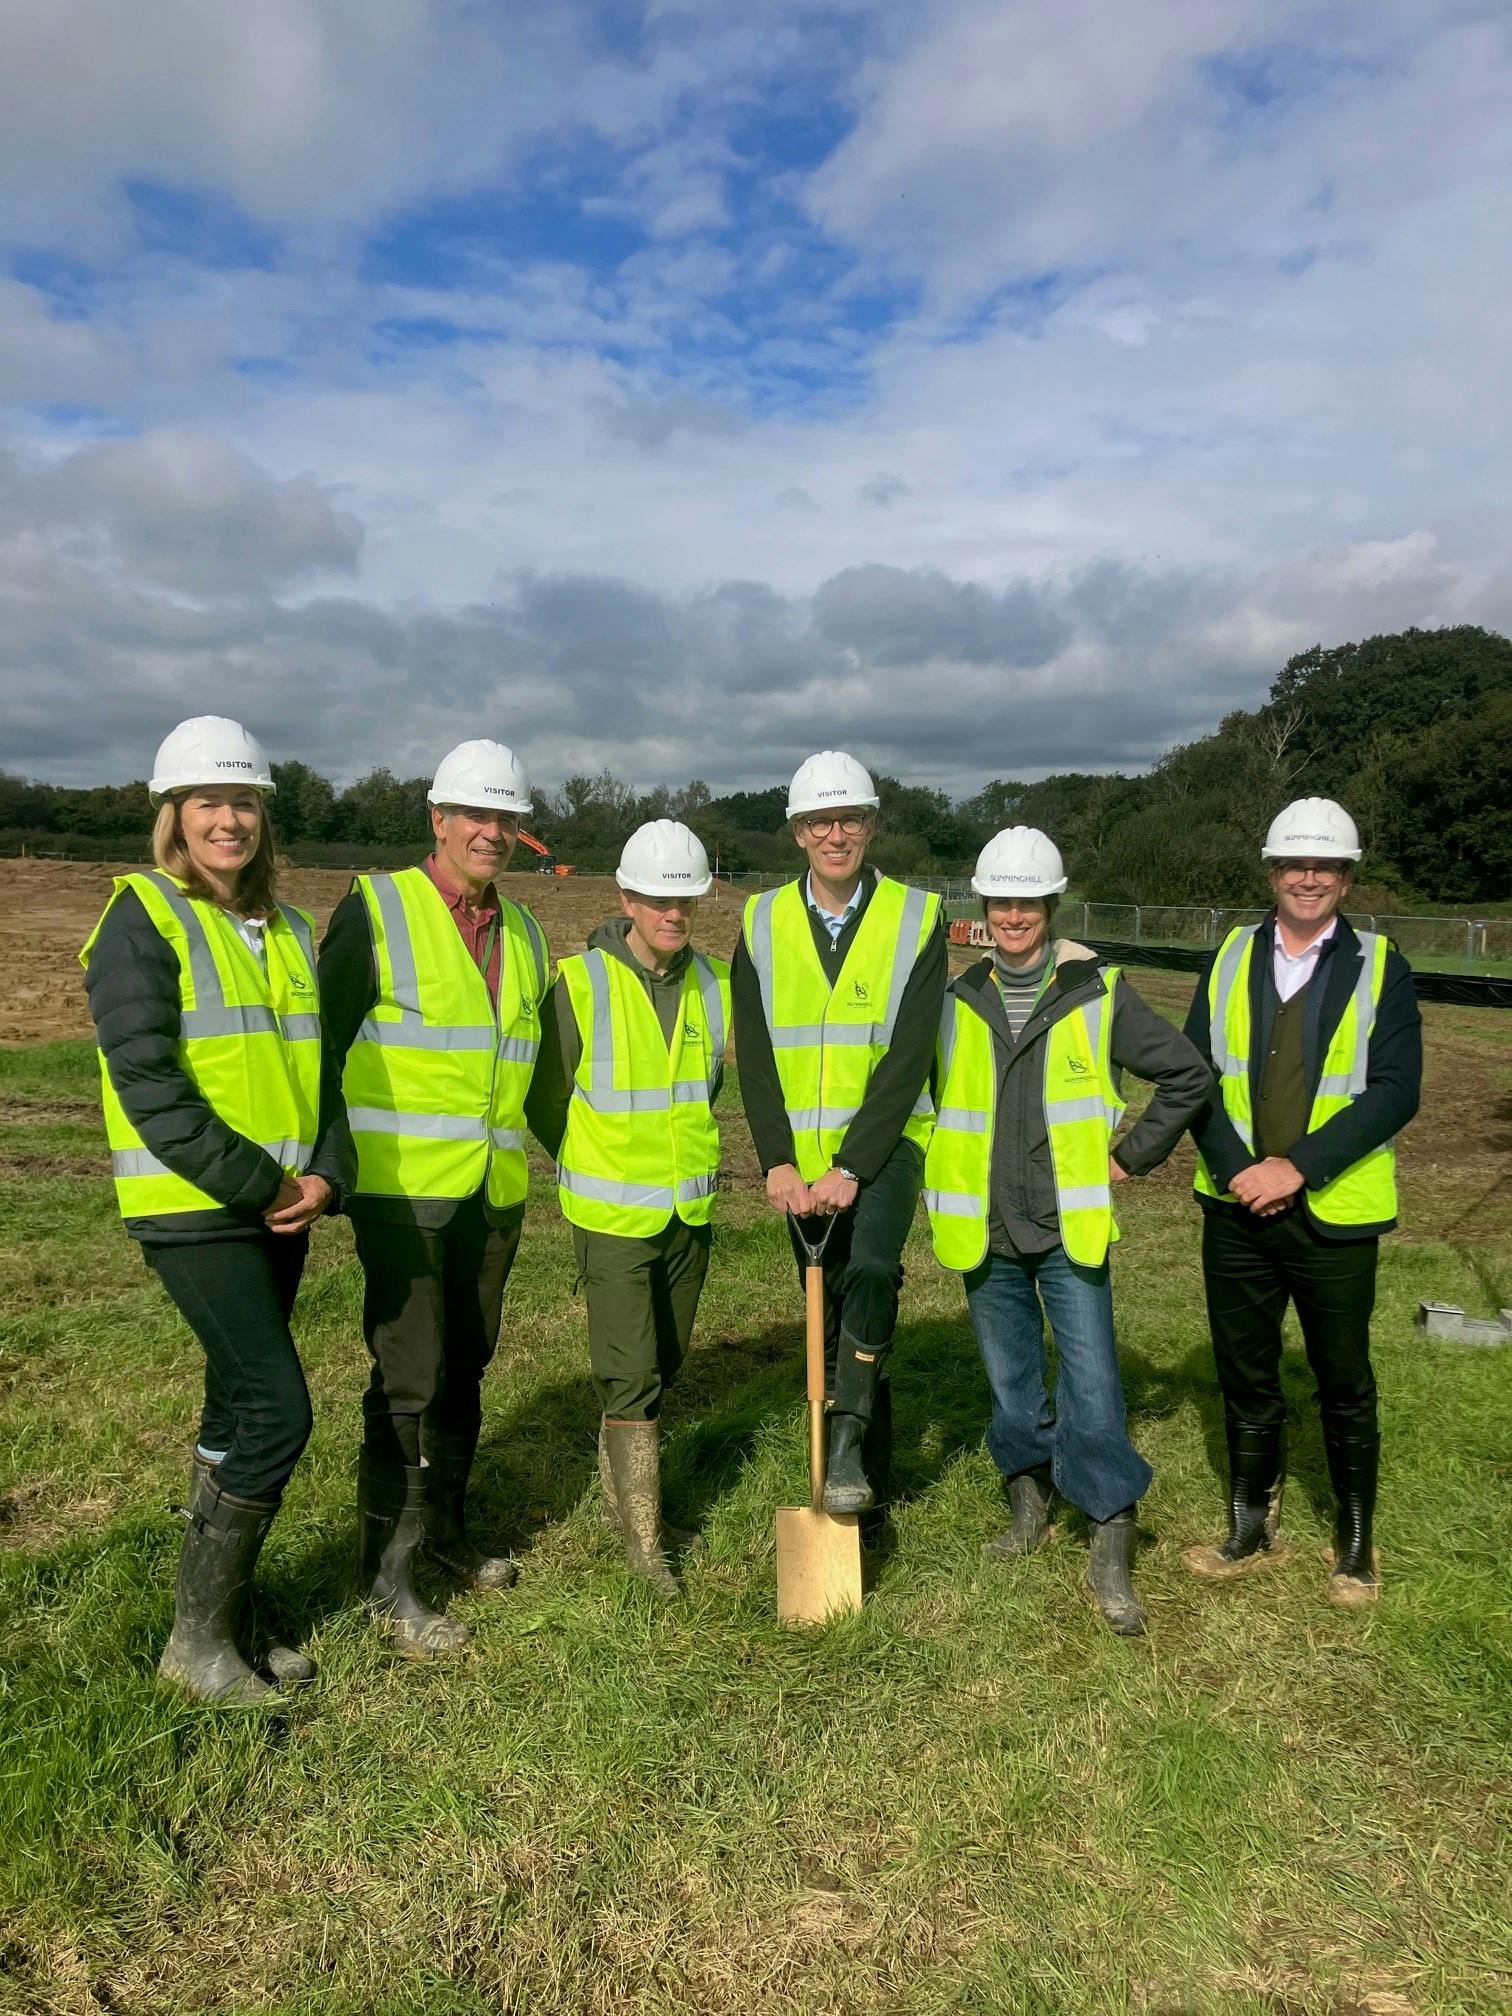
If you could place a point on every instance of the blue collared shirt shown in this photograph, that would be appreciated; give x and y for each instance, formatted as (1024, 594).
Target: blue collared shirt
(834, 925)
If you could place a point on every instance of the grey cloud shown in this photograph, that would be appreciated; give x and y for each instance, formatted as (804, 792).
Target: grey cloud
(901, 616)
(884, 490)
(651, 423)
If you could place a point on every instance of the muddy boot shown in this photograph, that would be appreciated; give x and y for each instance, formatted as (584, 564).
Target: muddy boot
(846, 1486)
(1108, 1574)
(287, 1667)
(391, 1525)
(635, 1468)
(678, 1539)
(1353, 1463)
(446, 1469)
(1029, 1496)
(221, 1544)
(1257, 1478)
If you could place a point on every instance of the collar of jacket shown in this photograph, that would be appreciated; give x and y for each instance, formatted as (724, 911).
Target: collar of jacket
(1078, 976)
(613, 938)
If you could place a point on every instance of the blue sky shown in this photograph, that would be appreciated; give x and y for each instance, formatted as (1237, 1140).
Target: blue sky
(987, 387)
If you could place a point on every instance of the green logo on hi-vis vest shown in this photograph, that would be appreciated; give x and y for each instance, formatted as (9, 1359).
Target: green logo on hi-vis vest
(690, 1030)
(1078, 1066)
(298, 984)
(860, 993)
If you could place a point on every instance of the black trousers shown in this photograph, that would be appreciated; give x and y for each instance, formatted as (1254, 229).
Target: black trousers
(237, 1295)
(432, 1300)
(1251, 1268)
(863, 1262)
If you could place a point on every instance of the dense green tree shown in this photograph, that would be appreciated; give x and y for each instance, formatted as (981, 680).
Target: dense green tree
(304, 803)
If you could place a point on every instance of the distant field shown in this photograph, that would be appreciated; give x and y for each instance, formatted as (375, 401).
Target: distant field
(971, 1798)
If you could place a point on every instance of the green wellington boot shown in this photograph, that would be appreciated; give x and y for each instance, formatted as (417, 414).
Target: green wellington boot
(391, 1510)
(288, 1667)
(1108, 1574)
(222, 1541)
(635, 1471)
(447, 1467)
(1029, 1498)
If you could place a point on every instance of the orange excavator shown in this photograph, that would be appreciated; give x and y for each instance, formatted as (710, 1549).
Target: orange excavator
(548, 863)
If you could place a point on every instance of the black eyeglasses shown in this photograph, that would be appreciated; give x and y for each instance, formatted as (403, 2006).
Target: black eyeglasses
(850, 824)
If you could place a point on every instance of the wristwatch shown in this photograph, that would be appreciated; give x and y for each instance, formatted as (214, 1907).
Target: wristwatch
(849, 1174)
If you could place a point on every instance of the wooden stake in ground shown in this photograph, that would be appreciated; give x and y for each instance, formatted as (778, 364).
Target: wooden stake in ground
(818, 1553)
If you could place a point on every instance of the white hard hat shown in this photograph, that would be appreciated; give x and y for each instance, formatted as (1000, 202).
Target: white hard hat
(481, 774)
(1019, 861)
(1315, 827)
(664, 858)
(209, 750)
(828, 780)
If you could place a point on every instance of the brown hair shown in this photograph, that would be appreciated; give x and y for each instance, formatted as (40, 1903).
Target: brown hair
(256, 892)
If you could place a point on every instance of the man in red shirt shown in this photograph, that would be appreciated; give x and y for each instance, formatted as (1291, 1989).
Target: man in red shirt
(436, 1067)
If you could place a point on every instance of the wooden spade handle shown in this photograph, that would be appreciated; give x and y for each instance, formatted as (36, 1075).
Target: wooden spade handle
(813, 1289)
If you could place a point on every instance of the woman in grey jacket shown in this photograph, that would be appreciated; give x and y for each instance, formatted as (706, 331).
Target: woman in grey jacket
(1018, 1184)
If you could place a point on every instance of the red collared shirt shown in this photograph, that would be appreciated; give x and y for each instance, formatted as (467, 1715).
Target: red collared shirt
(480, 927)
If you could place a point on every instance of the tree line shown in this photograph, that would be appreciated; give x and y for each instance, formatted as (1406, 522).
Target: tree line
(1413, 732)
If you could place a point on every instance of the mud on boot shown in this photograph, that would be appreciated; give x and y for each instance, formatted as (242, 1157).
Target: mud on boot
(1257, 1481)
(391, 1512)
(1108, 1574)
(447, 1465)
(1353, 1466)
(221, 1544)
(676, 1539)
(845, 1483)
(1029, 1497)
(280, 1663)
(634, 1449)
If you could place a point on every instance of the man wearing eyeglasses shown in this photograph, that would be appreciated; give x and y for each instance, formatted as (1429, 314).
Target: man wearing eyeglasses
(838, 982)
(1314, 1032)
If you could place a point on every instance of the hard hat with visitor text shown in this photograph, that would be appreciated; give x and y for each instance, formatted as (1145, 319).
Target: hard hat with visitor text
(209, 750)
(827, 781)
(482, 775)
(1019, 861)
(664, 858)
(1315, 828)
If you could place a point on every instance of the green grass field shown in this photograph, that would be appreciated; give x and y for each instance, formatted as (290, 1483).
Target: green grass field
(969, 1798)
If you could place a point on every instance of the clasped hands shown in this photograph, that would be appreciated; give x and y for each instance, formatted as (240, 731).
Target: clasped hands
(299, 1202)
(1267, 1187)
(787, 1192)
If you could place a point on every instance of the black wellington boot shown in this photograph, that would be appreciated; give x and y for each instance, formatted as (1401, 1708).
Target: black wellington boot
(1108, 1574)
(391, 1525)
(1257, 1479)
(447, 1467)
(1353, 1465)
(1029, 1496)
(221, 1544)
(288, 1667)
(846, 1486)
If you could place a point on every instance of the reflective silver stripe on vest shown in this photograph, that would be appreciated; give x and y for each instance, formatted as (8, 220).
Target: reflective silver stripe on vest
(301, 931)
(507, 1137)
(635, 1196)
(428, 1126)
(955, 1203)
(1092, 1197)
(411, 1033)
(905, 953)
(518, 1049)
(690, 1091)
(962, 1120)
(403, 978)
(761, 954)
(208, 991)
(651, 1099)
(300, 1028)
(833, 1035)
(253, 1020)
(713, 1005)
(817, 1118)
(1092, 1107)
(691, 1188)
(140, 1162)
(537, 939)
(1224, 1061)
(1365, 1011)
(600, 1093)
(948, 1033)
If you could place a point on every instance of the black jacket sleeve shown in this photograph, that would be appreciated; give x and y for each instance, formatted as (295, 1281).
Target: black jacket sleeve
(561, 1050)
(1217, 1142)
(1393, 1084)
(335, 1156)
(133, 986)
(760, 1087)
(1146, 1044)
(904, 1070)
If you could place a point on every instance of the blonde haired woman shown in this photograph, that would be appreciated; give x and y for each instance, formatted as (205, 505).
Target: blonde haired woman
(227, 1141)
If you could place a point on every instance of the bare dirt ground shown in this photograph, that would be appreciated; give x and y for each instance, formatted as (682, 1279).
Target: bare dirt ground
(1456, 1156)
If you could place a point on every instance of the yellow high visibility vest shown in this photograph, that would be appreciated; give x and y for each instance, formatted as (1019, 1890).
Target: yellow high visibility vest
(249, 1040)
(1364, 1193)
(436, 1079)
(1082, 1107)
(641, 1140)
(827, 1041)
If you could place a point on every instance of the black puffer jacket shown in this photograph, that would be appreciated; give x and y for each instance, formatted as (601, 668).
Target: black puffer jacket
(133, 987)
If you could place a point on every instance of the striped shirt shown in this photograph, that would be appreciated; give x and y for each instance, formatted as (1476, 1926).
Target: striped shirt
(1020, 988)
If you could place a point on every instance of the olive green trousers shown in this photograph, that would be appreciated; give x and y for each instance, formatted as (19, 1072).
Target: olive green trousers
(642, 1302)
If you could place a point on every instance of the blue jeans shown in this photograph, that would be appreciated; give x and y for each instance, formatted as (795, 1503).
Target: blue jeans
(1082, 1435)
